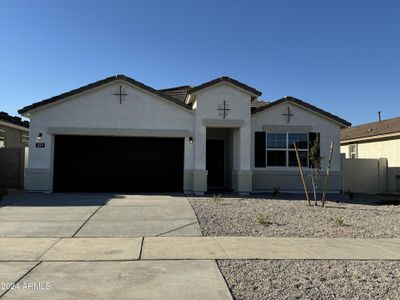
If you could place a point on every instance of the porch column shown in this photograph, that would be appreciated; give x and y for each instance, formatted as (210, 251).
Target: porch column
(200, 172)
(242, 174)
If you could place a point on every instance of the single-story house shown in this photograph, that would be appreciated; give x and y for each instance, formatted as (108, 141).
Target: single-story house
(377, 140)
(14, 137)
(118, 134)
(14, 133)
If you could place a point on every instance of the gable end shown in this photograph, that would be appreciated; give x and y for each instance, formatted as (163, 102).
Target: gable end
(342, 122)
(99, 83)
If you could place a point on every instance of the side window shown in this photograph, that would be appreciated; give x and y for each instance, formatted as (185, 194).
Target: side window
(2, 139)
(353, 151)
(24, 140)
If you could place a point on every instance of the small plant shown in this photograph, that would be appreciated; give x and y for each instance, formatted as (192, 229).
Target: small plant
(262, 219)
(275, 191)
(338, 221)
(350, 193)
(216, 198)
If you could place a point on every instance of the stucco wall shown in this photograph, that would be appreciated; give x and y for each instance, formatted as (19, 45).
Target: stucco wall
(365, 175)
(100, 109)
(208, 102)
(389, 149)
(287, 178)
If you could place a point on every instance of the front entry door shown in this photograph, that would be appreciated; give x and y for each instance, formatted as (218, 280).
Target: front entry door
(215, 163)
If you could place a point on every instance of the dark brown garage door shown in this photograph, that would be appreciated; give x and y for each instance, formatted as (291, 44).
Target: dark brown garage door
(118, 164)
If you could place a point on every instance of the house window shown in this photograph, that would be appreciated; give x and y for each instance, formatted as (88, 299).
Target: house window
(2, 139)
(353, 150)
(24, 140)
(276, 149)
(280, 149)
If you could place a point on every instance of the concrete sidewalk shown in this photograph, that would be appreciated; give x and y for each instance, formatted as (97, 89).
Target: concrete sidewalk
(269, 248)
(172, 279)
(194, 248)
(154, 267)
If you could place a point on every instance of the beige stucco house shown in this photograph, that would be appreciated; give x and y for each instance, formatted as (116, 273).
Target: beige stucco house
(118, 134)
(377, 140)
(14, 133)
(14, 137)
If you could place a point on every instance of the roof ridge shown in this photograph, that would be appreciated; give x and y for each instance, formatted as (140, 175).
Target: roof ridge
(225, 79)
(100, 83)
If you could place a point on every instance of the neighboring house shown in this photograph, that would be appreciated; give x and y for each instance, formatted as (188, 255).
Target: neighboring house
(118, 134)
(14, 133)
(14, 137)
(378, 140)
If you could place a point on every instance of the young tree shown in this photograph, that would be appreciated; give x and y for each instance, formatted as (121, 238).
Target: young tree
(315, 165)
(302, 174)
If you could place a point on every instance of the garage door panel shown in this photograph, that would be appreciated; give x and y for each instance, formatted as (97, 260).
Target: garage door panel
(118, 164)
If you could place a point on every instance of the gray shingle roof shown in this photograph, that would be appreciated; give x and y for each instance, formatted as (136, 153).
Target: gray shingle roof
(371, 129)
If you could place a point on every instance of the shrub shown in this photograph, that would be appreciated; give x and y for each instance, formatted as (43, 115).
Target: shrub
(262, 219)
(338, 221)
(216, 198)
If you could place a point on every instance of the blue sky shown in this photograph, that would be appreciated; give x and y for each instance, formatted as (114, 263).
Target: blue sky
(342, 56)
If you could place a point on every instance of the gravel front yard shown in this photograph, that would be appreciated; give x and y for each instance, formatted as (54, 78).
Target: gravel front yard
(290, 217)
(312, 279)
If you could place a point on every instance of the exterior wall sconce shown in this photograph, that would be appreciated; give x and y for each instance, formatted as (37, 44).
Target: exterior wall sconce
(39, 137)
(190, 140)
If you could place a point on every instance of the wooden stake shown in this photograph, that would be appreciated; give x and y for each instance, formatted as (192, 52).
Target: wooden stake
(328, 171)
(301, 174)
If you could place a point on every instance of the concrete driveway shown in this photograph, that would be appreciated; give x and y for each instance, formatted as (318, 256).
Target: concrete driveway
(96, 215)
(89, 246)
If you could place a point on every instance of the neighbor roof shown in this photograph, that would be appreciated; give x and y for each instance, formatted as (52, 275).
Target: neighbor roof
(341, 121)
(100, 83)
(258, 103)
(5, 117)
(371, 129)
(179, 92)
(225, 79)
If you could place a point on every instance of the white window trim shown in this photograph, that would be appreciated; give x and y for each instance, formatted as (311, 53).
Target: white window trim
(287, 150)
